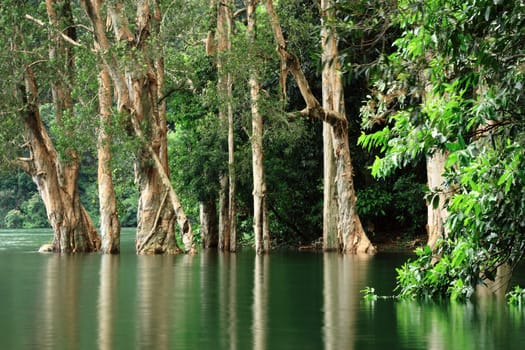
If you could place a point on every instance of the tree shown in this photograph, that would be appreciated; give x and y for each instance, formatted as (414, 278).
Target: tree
(260, 209)
(454, 86)
(332, 100)
(227, 213)
(138, 77)
(55, 172)
(109, 221)
(351, 235)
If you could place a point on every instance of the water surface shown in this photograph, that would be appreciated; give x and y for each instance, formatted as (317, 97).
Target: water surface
(287, 300)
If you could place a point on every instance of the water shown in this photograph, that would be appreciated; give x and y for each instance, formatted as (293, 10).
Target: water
(216, 301)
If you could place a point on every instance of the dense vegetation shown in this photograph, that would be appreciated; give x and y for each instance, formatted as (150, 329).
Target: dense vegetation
(455, 85)
(293, 152)
(419, 77)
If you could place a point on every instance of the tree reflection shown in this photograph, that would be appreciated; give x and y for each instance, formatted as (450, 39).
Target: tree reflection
(344, 276)
(228, 298)
(260, 301)
(155, 286)
(57, 325)
(107, 301)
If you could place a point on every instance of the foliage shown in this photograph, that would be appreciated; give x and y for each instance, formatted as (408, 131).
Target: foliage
(16, 49)
(127, 195)
(516, 296)
(293, 166)
(369, 294)
(396, 202)
(455, 84)
(431, 277)
(373, 201)
(13, 219)
(197, 141)
(365, 31)
(247, 236)
(20, 203)
(32, 214)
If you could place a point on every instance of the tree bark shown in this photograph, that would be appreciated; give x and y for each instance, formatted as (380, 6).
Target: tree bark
(231, 170)
(260, 211)
(208, 219)
(352, 238)
(227, 214)
(332, 100)
(330, 239)
(438, 215)
(224, 210)
(109, 222)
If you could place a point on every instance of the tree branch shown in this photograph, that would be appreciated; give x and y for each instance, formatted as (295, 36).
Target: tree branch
(24, 163)
(291, 63)
(64, 36)
(486, 129)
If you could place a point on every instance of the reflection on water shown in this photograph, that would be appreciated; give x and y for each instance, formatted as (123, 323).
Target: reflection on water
(223, 301)
(59, 318)
(487, 324)
(107, 301)
(260, 301)
(228, 298)
(155, 277)
(343, 278)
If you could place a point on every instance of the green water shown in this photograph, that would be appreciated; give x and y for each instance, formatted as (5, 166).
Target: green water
(216, 301)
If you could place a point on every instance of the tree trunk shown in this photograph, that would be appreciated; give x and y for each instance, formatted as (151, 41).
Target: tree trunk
(227, 215)
(500, 285)
(208, 219)
(56, 178)
(332, 100)
(350, 230)
(436, 215)
(138, 88)
(73, 229)
(109, 222)
(352, 237)
(156, 218)
(224, 210)
(231, 170)
(330, 240)
(260, 211)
